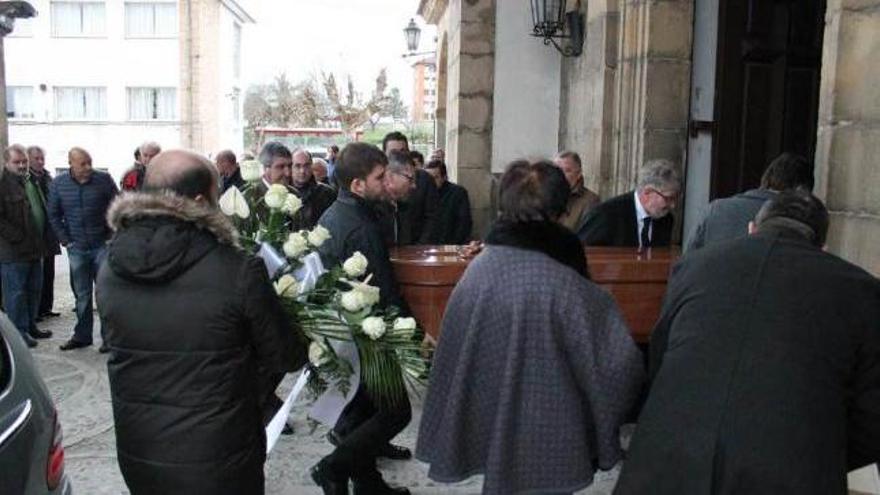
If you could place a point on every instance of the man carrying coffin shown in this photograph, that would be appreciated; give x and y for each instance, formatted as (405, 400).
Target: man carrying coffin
(189, 358)
(765, 365)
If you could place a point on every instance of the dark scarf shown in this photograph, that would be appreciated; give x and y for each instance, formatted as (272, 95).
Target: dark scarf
(549, 238)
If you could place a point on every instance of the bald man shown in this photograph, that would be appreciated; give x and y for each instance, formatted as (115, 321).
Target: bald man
(184, 358)
(78, 204)
(230, 173)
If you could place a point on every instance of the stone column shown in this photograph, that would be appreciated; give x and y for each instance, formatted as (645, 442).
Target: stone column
(848, 142)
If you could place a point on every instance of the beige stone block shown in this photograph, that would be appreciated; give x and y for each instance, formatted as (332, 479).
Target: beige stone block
(482, 11)
(477, 74)
(854, 238)
(477, 38)
(854, 55)
(475, 113)
(663, 143)
(670, 25)
(853, 175)
(474, 149)
(478, 183)
(667, 89)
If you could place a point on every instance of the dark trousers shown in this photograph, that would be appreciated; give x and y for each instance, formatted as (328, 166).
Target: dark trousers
(47, 293)
(84, 266)
(369, 426)
(21, 283)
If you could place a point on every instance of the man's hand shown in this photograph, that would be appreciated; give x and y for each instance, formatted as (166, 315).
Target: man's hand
(468, 251)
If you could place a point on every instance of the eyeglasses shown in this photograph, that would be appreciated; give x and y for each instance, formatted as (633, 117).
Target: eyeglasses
(669, 198)
(408, 177)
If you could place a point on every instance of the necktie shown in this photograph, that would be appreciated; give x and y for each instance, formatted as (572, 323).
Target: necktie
(646, 228)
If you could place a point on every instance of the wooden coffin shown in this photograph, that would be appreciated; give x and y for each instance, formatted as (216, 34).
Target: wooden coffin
(637, 280)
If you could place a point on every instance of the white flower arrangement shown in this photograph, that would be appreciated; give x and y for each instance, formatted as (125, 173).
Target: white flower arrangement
(356, 265)
(373, 327)
(291, 205)
(318, 236)
(295, 246)
(251, 170)
(319, 355)
(276, 196)
(287, 286)
(233, 203)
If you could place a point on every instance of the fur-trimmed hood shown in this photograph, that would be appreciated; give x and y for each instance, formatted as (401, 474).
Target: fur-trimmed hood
(159, 237)
(133, 206)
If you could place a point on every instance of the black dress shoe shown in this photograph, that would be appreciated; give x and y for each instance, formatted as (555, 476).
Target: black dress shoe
(377, 486)
(104, 349)
(287, 430)
(73, 344)
(40, 334)
(394, 452)
(50, 314)
(322, 477)
(29, 340)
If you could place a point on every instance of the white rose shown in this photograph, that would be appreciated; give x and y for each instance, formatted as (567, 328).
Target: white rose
(318, 354)
(352, 301)
(233, 203)
(276, 196)
(405, 324)
(287, 286)
(251, 170)
(368, 294)
(355, 266)
(295, 245)
(318, 235)
(374, 327)
(291, 205)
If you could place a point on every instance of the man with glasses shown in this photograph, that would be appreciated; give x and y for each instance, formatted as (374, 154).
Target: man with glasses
(316, 197)
(399, 183)
(641, 218)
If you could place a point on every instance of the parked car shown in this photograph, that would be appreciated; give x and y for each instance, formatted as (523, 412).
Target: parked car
(31, 454)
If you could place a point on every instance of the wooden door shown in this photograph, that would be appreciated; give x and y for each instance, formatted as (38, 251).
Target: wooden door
(767, 90)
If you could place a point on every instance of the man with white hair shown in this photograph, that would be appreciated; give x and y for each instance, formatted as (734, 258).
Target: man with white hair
(641, 218)
(133, 180)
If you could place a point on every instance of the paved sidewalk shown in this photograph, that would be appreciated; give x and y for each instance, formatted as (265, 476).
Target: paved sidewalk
(78, 383)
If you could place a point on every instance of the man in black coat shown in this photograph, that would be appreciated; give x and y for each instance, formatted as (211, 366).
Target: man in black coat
(194, 329)
(420, 209)
(641, 218)
(454, 221)
(367, 426)
(42, 178)
(765, 366)
(230, 172)
(316, 197)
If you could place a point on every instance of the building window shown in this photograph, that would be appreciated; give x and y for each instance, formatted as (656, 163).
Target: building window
(20, 102)
(78, 19)
(80, 103)
(152, 103)
(150, 19)
(236, 50)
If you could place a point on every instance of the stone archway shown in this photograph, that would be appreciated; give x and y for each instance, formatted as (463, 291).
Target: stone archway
(440, 112)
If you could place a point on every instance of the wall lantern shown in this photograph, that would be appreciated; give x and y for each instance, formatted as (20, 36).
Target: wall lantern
(552, 22)
(412, 33)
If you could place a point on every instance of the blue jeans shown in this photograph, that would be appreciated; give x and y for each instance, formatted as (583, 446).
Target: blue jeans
(83, 271)
(21, 292)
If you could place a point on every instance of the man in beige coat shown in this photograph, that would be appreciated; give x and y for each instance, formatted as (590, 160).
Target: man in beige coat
(582, 200)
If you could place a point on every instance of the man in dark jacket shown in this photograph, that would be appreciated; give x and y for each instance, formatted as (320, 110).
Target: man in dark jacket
(728, 218)
(78, 203)
(640, 218)
(42, 178)
(454, 221)
(315, 197)
(189, 359)
(765, 366)
(420, 209)
(354, 226)
(230, 172)
(22, 223)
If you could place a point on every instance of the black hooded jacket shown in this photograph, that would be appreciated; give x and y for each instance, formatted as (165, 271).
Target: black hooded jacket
(193, 326)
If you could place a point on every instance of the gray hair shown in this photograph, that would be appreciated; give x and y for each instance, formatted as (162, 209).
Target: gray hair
(300, 149)
(661, 174)
(398, 161)
(273, 150)
(151, 145)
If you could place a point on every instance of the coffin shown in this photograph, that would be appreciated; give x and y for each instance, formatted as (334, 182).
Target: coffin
(637, 280)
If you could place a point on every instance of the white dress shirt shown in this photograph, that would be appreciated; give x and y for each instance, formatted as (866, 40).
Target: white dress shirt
(641, 214)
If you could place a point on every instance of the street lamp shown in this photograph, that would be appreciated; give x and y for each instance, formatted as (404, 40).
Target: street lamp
(9, 11)
(412, 34)
(549, 20)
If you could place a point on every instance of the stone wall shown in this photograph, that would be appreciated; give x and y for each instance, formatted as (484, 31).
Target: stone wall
(848, 144)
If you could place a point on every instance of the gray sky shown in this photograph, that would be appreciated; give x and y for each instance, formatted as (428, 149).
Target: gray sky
(357, 37)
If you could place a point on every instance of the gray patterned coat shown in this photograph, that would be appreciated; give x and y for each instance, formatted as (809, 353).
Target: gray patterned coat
(534, 373)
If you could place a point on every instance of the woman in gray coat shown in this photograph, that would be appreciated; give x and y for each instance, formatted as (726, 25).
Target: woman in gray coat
(535, 369)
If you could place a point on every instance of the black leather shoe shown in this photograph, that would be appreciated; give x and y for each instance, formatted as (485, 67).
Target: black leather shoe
(40, 334)
(395, 452)
(377, 486)
(287, 430)
(29, 340)
(104, 349)
(72, 344)
(321, 476)
(50, 314)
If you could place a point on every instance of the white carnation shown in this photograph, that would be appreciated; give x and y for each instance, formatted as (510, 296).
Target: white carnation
(276, 196)
(251, 170)
(355, 266)
(295, 245)
(318, 235)
(287, 286)
(368, 294)
(318, 354)
(291, 205)
(374, 327)
(351, 301)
